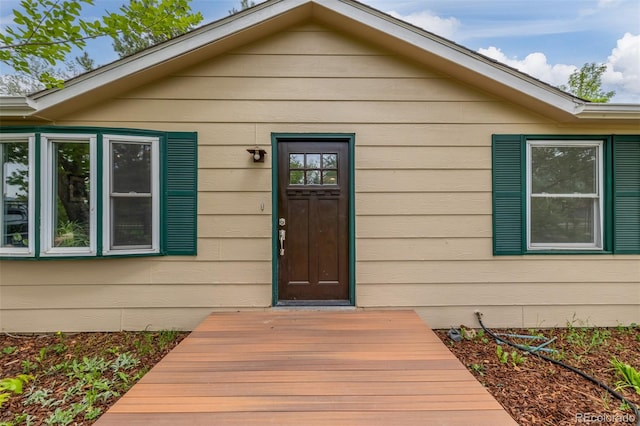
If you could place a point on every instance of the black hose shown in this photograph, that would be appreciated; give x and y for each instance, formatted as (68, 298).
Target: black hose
(568, 367)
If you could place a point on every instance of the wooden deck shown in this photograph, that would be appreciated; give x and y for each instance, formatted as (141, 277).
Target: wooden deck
(309, 368)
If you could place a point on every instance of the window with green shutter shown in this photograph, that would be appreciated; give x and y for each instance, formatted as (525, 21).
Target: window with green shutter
(566, 194)
(97, 192)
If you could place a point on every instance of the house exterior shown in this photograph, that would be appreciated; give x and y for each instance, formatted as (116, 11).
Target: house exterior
(388, 168)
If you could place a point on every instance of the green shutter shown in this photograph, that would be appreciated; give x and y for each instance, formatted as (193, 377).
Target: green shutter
(180, 172)
(508, 187)
(626, 193)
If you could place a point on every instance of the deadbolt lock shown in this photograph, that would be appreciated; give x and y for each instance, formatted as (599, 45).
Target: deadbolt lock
(282, 221)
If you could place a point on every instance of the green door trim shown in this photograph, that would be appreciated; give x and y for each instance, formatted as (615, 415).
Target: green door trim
(350, 138)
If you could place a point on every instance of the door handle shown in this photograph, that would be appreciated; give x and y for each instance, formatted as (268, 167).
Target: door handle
(282, 235)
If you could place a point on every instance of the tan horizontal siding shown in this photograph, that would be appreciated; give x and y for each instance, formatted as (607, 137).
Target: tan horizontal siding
(422, 203)
(401, 249)
(310, 43)
(531, 316)
(375, 181)
(230, 157)
(289, 65)
(243, 111)
(579, 315)
(401, 158)
(605, 270)
(84, 271)
(479, 294)
(137, 296)
(424, 226)
(235, 226)
(235, 180)
(234, 249)
(50, 320)
(303, 89)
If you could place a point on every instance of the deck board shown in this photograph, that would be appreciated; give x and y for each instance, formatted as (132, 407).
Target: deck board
(309, 367)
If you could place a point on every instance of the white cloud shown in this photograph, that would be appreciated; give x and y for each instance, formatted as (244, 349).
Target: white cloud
(623, 69)
(444, 27)
(535, 64)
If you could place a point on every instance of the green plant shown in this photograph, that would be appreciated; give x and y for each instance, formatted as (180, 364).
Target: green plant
(503, 356)
(42, 354)
(468, 333)
(124, 361)
(19, 419)
(167, 337)
(92, 413)
(13, 385)
(585, 338)
(71, 234)
(630, 376)
(65, 417)
(41, 397)
(145, 345)
(8, 350)
(517, 358)
(59, 348)
(477, 368)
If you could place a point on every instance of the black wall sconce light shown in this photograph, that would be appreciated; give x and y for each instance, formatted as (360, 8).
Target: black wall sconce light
(257, 154)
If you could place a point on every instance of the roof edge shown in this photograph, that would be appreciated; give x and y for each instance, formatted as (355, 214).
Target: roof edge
(17, 106)
(614, 111)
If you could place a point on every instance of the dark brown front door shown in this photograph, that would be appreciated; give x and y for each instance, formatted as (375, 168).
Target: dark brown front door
(313, 222)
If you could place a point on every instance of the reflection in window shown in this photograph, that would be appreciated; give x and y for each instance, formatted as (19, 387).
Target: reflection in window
(131, 194)
(71, 186)
(313, 169)
(14, 216)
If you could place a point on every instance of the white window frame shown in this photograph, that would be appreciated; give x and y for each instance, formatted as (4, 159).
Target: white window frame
(599, 196)
(107, 140)
(48, 197)
(28, 138)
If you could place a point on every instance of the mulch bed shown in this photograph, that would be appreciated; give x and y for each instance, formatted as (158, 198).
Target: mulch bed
(537, 392)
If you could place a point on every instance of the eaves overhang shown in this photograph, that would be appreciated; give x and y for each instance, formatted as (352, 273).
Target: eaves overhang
(600, 111)
(17, 106)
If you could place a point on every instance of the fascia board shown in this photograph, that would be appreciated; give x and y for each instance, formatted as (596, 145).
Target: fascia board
(451, 52)
(16, 106)
(167, 51)
(601, 111)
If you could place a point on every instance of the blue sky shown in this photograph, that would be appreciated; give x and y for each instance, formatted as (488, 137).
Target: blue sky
(545, 38)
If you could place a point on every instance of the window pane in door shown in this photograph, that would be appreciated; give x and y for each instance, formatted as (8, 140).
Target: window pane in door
(131, 221)
(329, 161)
(14, 218)
(296, 161)
(72, 188)
(329, 177)
(313, 177)
(313, 161)
(131, 167)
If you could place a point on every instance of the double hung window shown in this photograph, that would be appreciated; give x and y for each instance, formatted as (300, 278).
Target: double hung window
(564, 195)
(131, 185)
